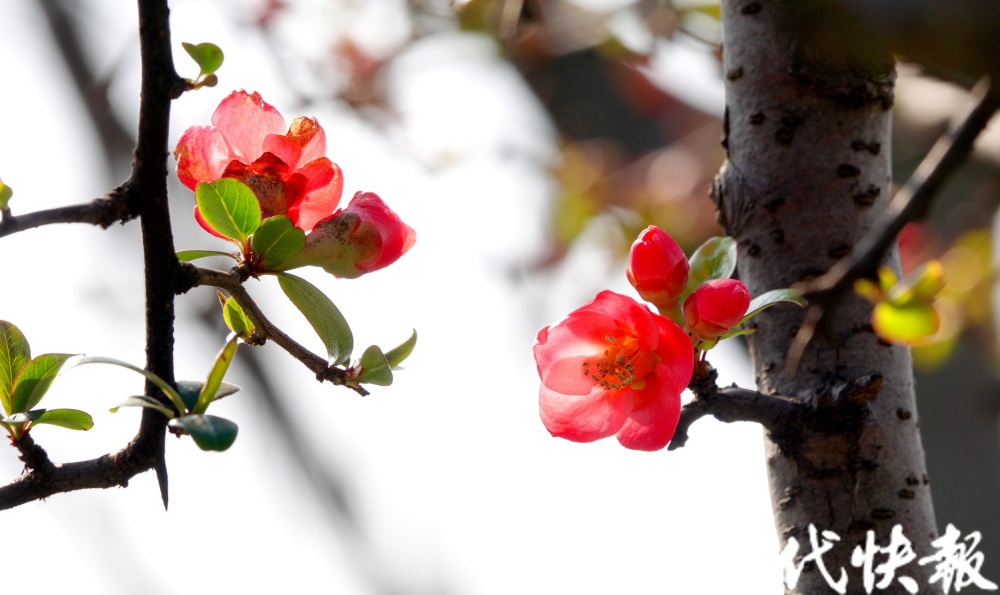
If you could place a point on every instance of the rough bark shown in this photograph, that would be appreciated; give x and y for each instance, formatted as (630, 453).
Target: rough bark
(808, 172)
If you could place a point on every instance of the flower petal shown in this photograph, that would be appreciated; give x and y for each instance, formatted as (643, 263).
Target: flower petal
(323, 189)
(304, 142)
(631, 318)
(202, 155)
(584, 418)
(676, 356)
(244, 119)
(651, 425)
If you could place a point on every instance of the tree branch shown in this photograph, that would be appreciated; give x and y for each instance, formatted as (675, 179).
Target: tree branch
(145, 191)
(910, 204)
(114, 208)
(731, 404)
(265, 329)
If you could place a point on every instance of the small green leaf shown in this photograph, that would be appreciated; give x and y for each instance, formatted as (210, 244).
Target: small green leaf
(190, 389)
(209, 432)
(322, 314)
(208, 56)
(14, 355)
(770, 298)
(236, 319)
(396, 355)
(277, 240)
(374, 368)
(189, 255)
(144, 401)
(72, 419)
(909, 325)
(715, 259)
(229, 207)
(214, 380)
(5, 193)
(34, 379)
(173, 395)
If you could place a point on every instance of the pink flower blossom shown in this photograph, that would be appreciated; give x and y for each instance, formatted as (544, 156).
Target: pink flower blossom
(364, 237)
(715, 308)
(247, 141)
(657, 268)
(613, 367)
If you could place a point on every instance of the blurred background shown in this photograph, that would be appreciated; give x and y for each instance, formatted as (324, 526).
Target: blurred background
(527, 143)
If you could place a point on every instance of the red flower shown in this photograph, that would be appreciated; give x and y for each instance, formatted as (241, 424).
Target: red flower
(364, 237)
(287, 171)
(613, 367)
(715, 308)
(657, 268)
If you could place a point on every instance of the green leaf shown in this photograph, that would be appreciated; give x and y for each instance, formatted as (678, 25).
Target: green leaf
(190, 389)
(173, 395)
(5, 193)
(396, 355)
(72, 419)
(229, 207)
(910, 324)
(322, 314)
(214, 380)
(209, 432)
(770, 298)
(14, 355)
(277, 240)
(147, 402)
(34, 379)
(715, 259)
(208, 56)
(236, 319)
(189, 255)
(374, 368)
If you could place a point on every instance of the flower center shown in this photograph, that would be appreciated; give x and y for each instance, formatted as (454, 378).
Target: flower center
(622, 364)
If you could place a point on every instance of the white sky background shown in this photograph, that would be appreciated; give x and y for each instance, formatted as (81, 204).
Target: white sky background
(459, 487)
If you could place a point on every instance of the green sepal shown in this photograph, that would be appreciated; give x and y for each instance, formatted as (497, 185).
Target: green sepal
(71, 419)
(229, 207)
(396, 355)
(15, 353)
(146, 402)
(207, 55)
(770, 298)
(208, 431)
(276, 240)
(374, 368)
(189, 255)
(715, 259)
(213, 382)
(322, 314)
(236, 319)
(172, 395)
(34, 380)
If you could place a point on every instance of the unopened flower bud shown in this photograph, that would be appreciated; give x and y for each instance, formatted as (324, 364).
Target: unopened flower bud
(715, 308)
(657, 268)
(364, 237)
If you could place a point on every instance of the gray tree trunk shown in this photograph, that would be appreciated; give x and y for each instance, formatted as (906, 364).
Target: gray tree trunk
(808, 172)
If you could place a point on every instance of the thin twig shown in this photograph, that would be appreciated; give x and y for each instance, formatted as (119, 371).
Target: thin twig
(232, 283)
(730, 404)
(100, 211)
(910, 204)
